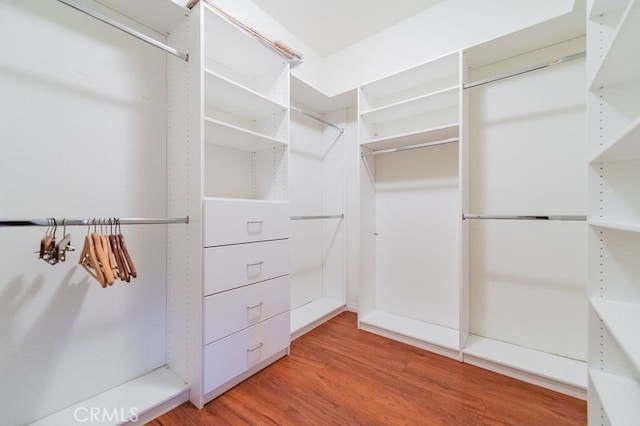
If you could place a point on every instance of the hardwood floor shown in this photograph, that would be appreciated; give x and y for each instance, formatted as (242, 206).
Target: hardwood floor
(338, 375)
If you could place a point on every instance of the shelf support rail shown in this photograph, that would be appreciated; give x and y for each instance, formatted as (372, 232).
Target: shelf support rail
(333, 216)
(296, 109)
(107, 20)
(93, 221)
(521, 71)
(524, 217)
(409, 147)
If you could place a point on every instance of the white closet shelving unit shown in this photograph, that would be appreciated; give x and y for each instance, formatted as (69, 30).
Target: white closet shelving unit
(317, 186)
(614, 211)
(410, 206)
(524, 282)
(228, 160)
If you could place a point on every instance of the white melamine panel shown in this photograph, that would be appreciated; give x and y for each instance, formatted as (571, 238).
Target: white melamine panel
(527, 145)
(161, 16)
(83, 114)
(420, 104)
(601, 7)
(307, 261)
(621, 319)
(367, 284)
(228, 173)
(270, 174)
(625, 146)
(234, 310)
(227, 267)
(618, 395)
(528, 284)
(229, 357)
(417, 221)
(243, 221)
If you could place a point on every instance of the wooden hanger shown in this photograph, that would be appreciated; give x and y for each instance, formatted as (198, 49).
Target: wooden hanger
(103, 258)
(126, 257)
(89, 260)
(123, 272)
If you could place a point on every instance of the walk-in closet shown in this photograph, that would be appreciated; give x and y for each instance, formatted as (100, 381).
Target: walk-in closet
(253, 211)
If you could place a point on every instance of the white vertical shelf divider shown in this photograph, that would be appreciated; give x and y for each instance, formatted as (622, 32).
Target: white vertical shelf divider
(614, 213)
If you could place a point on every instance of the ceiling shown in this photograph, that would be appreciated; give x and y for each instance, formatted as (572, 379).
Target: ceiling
(328, 26)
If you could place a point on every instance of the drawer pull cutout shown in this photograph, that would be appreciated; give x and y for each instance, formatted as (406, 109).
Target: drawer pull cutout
(254, 226)
(255, 272)
(255, 348)
(257, 305)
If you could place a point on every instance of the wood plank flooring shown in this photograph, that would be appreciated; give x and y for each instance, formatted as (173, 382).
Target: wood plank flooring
(338, 375)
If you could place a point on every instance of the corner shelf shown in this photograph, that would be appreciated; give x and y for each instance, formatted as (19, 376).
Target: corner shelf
(618, 395)
(420, 136)
(417, 105)
(621, 319)
(624, 41)
(624, 147)
(435, 338)
(527, 364)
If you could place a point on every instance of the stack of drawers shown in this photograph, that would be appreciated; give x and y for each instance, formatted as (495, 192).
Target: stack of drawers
(246, 287)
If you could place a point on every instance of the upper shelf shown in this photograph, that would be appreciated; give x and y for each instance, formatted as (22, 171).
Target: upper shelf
(624, 147)
(159, 15)
(620, 226)
(235, 49)
(621, 319)
(619, 63)
(601, 7)
(411, 138)
(421, 104)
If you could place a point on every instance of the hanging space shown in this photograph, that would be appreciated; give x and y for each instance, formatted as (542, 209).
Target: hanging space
(317, 194)
(525, 199)
(410, 211)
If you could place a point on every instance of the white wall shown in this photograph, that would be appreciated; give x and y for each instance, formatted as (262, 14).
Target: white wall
(83, 119)
(444, 28)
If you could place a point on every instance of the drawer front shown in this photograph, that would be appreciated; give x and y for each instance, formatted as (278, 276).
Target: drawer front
(229, 267)
(235, 310)
(235, 354)
(231, 222)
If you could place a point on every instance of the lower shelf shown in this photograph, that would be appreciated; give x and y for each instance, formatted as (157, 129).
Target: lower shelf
(555, 372)
(309, 316)
(434, 338)
(138, 401)
(619, 397)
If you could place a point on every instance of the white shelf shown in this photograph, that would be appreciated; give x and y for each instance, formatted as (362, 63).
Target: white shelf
(619, 64)
(309, 316)
(424, 74)
(554, 367)
(620, 226)
(624, 147)
(601, 7)
(227, 96)
(622, 320)
(619, 397)
(421, 136)
(418, 105)
(235, 48)
(224, 134)
(444, 337)
(142, 394)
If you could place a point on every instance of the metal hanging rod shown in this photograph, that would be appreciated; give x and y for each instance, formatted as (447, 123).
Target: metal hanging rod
(333, 216)
(91, 221)
(524, 217)
(521, 71)
(296, 109)
(409, 147)
(131, 31)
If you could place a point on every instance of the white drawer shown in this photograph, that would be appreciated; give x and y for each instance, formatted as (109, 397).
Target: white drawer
(229, 267)
(231, 221)
(231, 311)
(235, 354)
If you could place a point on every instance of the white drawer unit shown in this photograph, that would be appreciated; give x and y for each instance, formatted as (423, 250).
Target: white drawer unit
(229, 267)
(244, 221)
(229, 357)
(234, 310)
